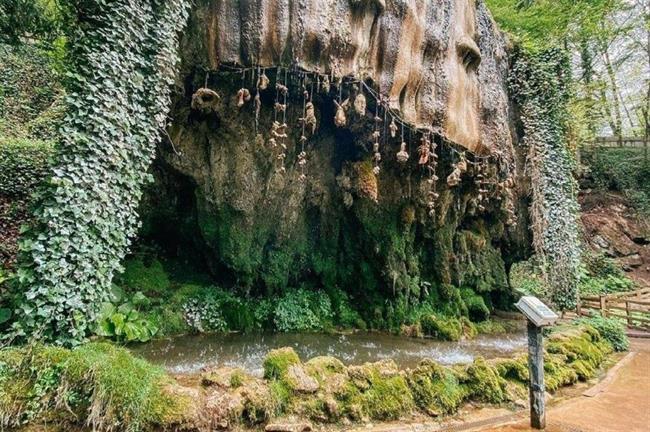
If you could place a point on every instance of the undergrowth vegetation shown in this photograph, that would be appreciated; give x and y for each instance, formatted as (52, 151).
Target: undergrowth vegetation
(156, 296)
(623, 170)
(597, 275)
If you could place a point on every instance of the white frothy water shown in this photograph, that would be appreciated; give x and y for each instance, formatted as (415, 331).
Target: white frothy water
(190, 354)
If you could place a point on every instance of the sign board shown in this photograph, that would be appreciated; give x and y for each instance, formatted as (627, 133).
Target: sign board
(536, 311)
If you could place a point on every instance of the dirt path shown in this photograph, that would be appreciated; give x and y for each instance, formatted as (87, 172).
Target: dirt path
(620, 403)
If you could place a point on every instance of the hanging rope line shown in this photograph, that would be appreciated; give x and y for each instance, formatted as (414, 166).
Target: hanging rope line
(380, 100)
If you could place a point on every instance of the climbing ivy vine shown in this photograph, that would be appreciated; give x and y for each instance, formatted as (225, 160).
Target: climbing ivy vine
(117, 102)
(540, 86)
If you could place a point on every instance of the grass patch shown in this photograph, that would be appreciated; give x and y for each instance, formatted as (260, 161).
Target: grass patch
(97, 384)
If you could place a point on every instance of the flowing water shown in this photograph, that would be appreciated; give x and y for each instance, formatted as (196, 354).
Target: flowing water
(188, 354)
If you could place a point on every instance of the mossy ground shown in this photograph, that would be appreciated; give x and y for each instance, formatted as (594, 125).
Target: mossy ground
(101, 384)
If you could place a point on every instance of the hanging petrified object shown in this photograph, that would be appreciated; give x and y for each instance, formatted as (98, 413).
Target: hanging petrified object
(243, 96)
(258, 105)
(402, 154)
(279, 130)
(280, 108)
(310, 117)
(325, 85)
(360, 103)
(205, 99)
(340, 119)
(454, 178)
(302, 158)
(263, 81)
(462, 164)
(393, 128)
(424, 150)
(281, 88)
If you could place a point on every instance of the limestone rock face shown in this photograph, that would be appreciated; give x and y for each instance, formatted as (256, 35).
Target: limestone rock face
(442, 63)
(266, 215)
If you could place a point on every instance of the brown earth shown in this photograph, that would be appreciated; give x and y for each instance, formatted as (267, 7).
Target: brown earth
(613, 228)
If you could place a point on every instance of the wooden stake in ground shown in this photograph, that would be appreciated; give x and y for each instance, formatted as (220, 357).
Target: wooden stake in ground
(539, 315)
(536, 370)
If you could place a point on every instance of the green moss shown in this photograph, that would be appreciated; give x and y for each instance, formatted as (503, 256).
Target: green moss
(148, 277)
(277, 362)
(443, 328)
(483, 382)
(583, 348)
(387, 398)
(281, 395)
(475, 304)
(557, 373)
(513, 369)
(491, 327)
(469, 328)
(435, 389)
(260, 402)
(101, 385)
(376, 390)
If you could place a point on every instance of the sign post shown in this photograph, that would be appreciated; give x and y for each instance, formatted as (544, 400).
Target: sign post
(538, 315)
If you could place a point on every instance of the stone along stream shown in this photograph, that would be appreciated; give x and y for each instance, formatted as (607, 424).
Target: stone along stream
(188, 354)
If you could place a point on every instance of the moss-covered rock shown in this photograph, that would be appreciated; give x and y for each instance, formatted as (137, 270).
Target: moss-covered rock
(226, 377)
(513, 369)
(436, 390)
(583, 348)
(443, 328)
(277, 362)
(476, 308)
(483, 382)
(377, 390)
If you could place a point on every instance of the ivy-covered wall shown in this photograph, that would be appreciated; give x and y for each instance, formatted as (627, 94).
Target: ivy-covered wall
(540, 86)
(125, 55)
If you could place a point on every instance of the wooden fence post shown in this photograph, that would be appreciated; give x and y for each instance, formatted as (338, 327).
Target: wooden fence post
(628, 313)
(603, 306)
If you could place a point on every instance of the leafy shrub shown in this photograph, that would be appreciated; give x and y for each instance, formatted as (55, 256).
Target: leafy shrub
(605, 285)
(610, 329)
(345, 315)
(302, 310)
(624, 170)
(204, 315)
(124, 324)
(601, 275)
(23, 165)
(30, 93)
(526, 278)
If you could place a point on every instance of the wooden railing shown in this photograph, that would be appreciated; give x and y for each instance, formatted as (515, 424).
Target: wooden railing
(612, 141)
(633, 307)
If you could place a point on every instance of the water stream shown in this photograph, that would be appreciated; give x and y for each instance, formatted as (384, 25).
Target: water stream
(188, 354)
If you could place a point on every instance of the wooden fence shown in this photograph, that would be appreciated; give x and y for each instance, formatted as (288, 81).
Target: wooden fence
(633, 307)
(612, 141)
